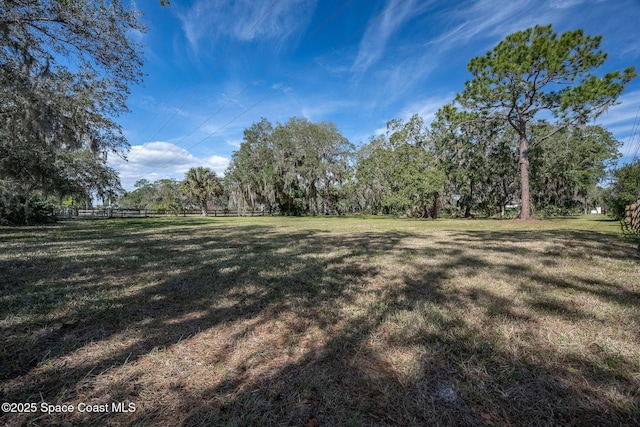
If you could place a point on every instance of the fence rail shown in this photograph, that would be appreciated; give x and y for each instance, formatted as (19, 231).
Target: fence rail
(144, 213)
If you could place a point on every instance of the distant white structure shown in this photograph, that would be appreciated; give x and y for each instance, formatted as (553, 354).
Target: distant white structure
(597, 210)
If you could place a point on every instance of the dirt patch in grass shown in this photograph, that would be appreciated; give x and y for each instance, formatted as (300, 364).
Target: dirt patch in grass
(277, 321)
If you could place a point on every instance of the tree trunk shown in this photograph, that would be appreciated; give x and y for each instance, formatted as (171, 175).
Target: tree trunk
(203, 207)
(586, 211)
(469, 200)
(436, 206)
(525, 213)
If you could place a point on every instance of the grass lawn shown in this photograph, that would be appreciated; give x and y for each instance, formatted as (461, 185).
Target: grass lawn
(321, 322)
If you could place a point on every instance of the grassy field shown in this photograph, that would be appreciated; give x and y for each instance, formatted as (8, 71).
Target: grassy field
(321, 322)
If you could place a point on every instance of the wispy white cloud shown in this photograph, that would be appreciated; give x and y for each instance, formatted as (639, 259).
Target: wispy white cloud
(406, 62)
(629, 149)
(282, 88)
(621, 118)
(398, 79)
(485, 19)
(159, 159)
(151, 104)
(234, 142)
(425, 108)
(566, 4)
(244, 20)
(319, 108)
(410, 64)
(375, 39)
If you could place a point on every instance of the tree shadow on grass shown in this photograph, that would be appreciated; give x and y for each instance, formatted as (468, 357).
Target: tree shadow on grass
(467, 371)
(553, 243)
(255, 326)
(137, 293)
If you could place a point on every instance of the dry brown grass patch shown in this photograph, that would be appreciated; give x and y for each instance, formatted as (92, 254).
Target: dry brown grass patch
(275, 321)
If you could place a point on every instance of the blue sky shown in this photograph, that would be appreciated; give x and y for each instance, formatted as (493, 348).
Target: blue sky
(215, 67)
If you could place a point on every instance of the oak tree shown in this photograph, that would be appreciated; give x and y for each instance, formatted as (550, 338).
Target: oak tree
(65, 72)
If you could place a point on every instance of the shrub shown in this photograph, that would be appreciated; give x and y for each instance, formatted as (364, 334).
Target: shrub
(25, 208)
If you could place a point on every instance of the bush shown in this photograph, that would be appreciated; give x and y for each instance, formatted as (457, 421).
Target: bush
(625, 189)
(488, 209)
(25, 208)
(549, 211)
(617, 203)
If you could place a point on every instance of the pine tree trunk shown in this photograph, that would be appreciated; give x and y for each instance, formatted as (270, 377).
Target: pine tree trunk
(525, 213)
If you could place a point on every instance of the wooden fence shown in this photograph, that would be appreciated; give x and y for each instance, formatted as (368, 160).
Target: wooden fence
(632, 216)
(144, 213)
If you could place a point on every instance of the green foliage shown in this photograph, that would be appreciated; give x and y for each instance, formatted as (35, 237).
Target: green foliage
(479, 156)
(567, 166)
(201, 185)
(250, 176)
(489, 154)
(24, 208)
(370, 188)
(625, 189)
(534, 70)
(297, 167)
(65, 68)
(162, 195)
(83, 174)
(398, 172)
(476, 153)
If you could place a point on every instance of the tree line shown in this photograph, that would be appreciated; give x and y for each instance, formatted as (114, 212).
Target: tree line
(461, 164)
(65, 72)
(200, 187)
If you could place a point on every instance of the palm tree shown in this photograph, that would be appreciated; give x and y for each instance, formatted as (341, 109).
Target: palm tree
(201, 184)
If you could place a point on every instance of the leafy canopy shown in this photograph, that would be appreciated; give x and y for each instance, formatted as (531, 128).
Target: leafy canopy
(202, 185)
(65, 71)
(295, 167)
(535, 69)
(625, 189)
